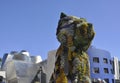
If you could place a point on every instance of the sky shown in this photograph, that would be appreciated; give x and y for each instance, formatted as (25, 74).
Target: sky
(31, 24)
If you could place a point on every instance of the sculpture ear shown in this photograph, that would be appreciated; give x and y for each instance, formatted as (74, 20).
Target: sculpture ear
(62, 15)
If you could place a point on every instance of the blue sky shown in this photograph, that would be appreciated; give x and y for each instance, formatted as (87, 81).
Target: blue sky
(31, 24)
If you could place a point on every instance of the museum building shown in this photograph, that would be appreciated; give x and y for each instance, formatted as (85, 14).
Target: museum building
(101, 65)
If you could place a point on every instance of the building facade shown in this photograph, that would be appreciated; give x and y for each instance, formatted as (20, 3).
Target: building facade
(20, 67)
(100, 65)
(50, 64)
(116, 67)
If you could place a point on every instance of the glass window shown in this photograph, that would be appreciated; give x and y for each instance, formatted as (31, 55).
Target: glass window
(106, 80)
(105, 60)
(112, 80)
(110, 62)
(94, 80)
(96, 59)
(112, 71)
(106, 70)
(96, 70)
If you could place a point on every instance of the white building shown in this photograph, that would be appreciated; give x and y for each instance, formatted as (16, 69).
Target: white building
(116, 68)
(100, 65)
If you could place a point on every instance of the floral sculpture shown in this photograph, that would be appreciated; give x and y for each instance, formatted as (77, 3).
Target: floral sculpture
(72, 63)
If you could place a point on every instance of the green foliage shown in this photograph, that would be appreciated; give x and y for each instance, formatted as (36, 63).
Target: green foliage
(75, 35)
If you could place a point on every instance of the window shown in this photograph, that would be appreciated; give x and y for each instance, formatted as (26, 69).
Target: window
(94, 80)
(96, 59)
(110, 62)
(96, 70)
(105, 60)
(112, 80)
(106, 70)
(112, 71)
(106, 80)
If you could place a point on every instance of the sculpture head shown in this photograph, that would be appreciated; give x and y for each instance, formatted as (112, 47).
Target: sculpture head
(74, 32)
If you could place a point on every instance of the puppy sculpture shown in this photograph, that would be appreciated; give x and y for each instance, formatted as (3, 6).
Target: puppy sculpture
(72, 63)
